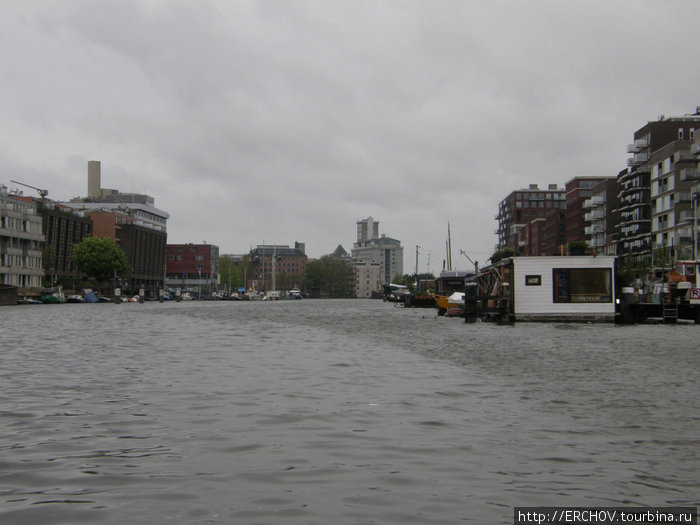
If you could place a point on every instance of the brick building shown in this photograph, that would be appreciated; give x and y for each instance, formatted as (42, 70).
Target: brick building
(522, 206)
(193, 267)
(276, 267)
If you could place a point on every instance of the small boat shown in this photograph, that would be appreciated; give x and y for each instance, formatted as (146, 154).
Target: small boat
(449, 303)
(295, 293)
(29, 300)
(75, 299)
(273, 295)
(53, 296)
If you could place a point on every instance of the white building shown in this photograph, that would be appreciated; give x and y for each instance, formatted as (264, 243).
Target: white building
(373, 248)
(368, 279)
(140, 207)
(21, 240)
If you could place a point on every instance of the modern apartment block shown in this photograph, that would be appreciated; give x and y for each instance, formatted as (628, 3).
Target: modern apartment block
(601, 216)
(192, 266)
(578, 191)
(373, 248)
(519, 208)
(63, 227)
(656, 192)
(21, 242)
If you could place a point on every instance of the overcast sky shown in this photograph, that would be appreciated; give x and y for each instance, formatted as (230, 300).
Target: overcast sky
(283, 121)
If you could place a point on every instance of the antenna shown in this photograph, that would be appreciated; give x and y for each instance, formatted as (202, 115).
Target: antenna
(42, 193)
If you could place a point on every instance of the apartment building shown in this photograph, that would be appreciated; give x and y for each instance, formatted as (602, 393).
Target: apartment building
(656, 191)
(371, 247)
(601, 216)
(578, 191)
(522, 206)
(21, 241)
(368, 279)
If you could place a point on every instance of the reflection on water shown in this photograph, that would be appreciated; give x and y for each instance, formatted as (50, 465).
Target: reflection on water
(335, 412)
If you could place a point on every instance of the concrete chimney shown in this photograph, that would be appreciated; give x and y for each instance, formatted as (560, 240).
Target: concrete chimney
(94, 180)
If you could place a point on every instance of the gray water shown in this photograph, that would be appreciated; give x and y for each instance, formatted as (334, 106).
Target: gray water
(344, 412)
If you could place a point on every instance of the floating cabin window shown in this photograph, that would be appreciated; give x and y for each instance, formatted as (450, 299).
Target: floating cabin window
(582, 285)
(533, 280)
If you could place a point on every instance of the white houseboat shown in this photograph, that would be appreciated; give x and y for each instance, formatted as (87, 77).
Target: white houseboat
(571, 288)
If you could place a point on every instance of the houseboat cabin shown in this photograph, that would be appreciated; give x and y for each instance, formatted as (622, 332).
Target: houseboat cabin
(573, 288)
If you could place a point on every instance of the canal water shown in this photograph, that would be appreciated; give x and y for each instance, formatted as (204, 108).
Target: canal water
(344, 412)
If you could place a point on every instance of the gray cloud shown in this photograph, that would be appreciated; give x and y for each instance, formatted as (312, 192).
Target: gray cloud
(284, 121)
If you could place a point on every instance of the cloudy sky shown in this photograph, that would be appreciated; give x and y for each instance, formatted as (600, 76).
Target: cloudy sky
(283, 121)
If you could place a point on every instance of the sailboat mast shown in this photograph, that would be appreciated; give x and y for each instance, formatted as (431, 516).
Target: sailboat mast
(449, 248)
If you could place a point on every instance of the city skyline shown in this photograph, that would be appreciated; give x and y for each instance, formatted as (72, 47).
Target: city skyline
(252, 122)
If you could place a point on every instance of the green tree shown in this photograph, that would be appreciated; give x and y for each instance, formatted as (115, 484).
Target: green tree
(230, 273)
(326, 277)
(503, 254)
(100, 258)
(577, 248)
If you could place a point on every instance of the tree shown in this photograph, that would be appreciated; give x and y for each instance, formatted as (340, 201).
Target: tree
(503, 254)
(230, 273)
(326, 276)
(577, 248)
(100, 258)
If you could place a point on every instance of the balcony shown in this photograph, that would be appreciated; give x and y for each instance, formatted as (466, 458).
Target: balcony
(689, 174)
(593, 202)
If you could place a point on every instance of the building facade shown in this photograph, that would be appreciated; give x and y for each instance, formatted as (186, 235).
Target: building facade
(21, 242)
(578, 191)
(373, 248)
(656, 190)
(134, 222)
(522, 206)
(600, 218)
(368, 279)
(192, 267)
(276, 267)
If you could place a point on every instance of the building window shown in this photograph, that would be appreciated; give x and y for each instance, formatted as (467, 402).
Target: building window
(582, 285)
(680, 133)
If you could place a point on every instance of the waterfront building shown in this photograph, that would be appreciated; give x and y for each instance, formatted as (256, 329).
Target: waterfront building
(367, 279)
(276, 267)
(555, 232)
(63, 227)
(655, 198)
(520, 207)
(373, 248)
(578, 190)
(601, 216)
(21, 241)
(193, 267)
(134, 222)
(531, 237)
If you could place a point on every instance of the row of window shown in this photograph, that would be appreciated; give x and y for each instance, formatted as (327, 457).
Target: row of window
(21, 261)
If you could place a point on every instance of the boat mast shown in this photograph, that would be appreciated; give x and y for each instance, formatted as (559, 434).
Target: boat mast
(417, 266)
(449, 248)
(274, 267)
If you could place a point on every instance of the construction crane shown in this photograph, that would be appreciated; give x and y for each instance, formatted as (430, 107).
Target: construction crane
(42, 193)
